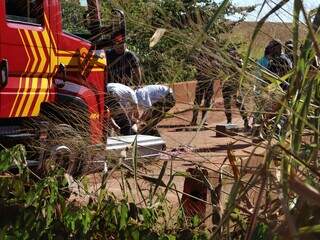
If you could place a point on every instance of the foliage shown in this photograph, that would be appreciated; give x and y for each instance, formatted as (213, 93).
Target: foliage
(288, 177)
(73, 17)
(40, 208)
(185, 23)
(285, 185)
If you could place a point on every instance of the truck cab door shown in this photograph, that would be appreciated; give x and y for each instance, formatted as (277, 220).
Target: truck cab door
(25, 43)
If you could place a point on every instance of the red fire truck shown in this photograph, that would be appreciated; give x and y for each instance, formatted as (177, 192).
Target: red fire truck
(52, 81)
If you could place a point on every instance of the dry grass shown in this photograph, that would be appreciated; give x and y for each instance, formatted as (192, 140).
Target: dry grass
(270, 30)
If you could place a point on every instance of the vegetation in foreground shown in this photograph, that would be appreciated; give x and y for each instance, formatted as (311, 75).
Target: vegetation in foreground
(34, 207)
(286, 182)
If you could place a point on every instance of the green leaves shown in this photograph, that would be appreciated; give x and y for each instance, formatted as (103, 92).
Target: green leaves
(220, 11)
(309, 229)
(42, 209)
(14, 157)
(78, 221)
(124, 215)
(172, 29)
(261, 232)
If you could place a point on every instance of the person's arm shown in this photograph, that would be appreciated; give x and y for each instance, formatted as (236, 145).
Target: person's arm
(134, 115)
(148, 107)
(114, 125)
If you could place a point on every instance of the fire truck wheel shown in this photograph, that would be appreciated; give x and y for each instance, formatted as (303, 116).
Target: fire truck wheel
(65, 149)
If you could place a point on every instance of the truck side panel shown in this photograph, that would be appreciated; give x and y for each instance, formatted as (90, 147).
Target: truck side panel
(36, 48)
(28, 48)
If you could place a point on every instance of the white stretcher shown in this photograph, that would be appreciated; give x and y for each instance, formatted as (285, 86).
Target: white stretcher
(147, 147)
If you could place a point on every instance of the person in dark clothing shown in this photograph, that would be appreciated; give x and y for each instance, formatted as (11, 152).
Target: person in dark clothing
(204, 65)
(230, 91)
(275, 61)
(123, 65)
(204, 91)
(279, 64)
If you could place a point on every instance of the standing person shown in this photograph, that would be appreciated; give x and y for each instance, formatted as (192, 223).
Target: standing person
(123, 105)
(204, 91)
(274, 60)
(123, 65)
(155, 101)
(280, 63)
(264, 61)
(289, 50)
(230, 90)
(277, 63)
(204, 65)
(272, 49)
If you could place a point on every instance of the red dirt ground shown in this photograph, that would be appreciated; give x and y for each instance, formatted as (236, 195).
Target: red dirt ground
(188, 148)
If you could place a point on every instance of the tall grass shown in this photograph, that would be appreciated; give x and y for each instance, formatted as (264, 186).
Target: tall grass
(271, 195)
(285, 183)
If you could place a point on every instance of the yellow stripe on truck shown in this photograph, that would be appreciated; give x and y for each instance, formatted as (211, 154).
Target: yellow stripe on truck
(43, 59)
(24, 95)
(31, 95)
(42, 96)
(35, 62)
(47, 26)
(20, 79)
(53, 59)
(48, 93)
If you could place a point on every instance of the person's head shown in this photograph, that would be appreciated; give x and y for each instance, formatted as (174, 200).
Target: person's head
(273, 49)
(119, 45)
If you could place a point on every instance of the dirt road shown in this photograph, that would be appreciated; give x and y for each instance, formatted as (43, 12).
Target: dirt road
(190, 146)
(187, 147)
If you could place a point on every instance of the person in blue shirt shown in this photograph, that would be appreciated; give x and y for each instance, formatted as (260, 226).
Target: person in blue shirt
(264, 61)
(274, 60)
(272, 49)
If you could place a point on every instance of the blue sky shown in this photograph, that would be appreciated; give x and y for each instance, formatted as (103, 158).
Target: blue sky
(309, 4)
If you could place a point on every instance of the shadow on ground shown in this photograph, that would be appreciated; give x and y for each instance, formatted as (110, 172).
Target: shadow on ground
(222, 147)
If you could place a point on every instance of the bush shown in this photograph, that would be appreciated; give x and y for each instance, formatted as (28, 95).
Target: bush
(187, 25)
(41, 208)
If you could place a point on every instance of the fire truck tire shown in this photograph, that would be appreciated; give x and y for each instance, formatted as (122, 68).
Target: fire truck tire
(65, 149)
